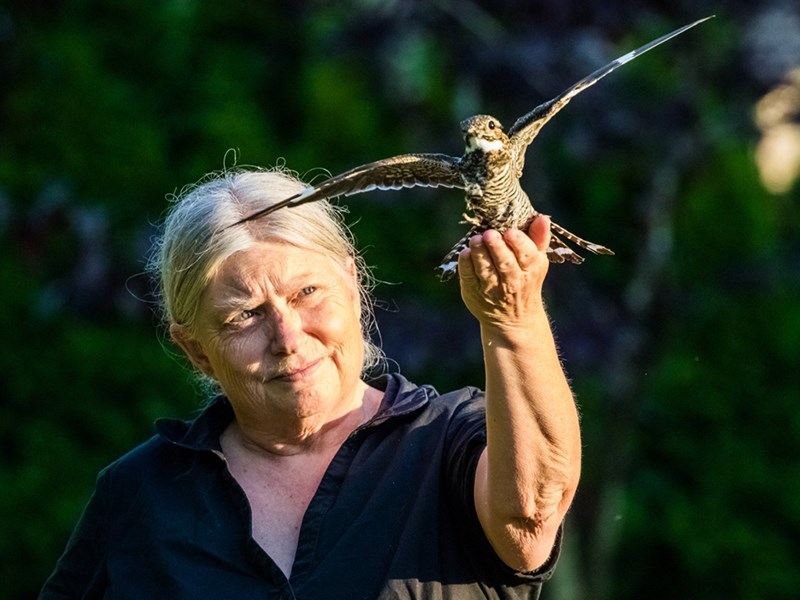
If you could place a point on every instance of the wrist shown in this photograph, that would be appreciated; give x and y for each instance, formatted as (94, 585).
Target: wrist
(517, 330)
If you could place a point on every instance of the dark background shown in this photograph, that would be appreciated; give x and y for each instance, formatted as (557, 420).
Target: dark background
(682, 349)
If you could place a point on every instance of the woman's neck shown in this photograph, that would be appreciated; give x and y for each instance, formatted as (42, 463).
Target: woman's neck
(275, 434)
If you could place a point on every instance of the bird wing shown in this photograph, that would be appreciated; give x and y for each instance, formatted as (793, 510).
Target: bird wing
(404, 171)
(527, 127)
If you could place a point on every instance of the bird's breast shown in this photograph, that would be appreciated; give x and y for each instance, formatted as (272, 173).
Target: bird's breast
(483, 168)
(501, 202)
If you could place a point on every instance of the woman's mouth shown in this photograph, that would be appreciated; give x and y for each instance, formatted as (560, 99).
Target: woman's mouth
(294, 375)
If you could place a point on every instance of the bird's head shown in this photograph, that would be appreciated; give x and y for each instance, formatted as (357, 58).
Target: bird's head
(484, 133)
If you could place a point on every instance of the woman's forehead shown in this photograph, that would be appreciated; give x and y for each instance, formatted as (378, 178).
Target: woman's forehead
(273, 264)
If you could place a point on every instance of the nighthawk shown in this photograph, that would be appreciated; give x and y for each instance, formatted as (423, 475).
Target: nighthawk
(489, 172)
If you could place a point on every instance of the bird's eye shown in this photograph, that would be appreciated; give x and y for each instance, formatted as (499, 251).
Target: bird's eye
(491, 125)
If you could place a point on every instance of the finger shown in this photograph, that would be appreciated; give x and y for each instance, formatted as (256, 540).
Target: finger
(503, 257)
(539, 231)
(525, 250)
(465, 268)
(481, 259)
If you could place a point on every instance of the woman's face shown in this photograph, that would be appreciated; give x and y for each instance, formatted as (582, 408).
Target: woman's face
(279, 328)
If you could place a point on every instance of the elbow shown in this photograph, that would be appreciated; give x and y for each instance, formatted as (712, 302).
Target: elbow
(522, 516)
(548, 497)
(526, 544)
(525, 537)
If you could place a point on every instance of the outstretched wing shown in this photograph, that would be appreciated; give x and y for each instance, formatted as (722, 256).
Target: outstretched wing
(527, 127)
(404, 171)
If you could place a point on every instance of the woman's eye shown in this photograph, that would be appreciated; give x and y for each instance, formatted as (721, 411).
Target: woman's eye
(308, 290)
(244, 316)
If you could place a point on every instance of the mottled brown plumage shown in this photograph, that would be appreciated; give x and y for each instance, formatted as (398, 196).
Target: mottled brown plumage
(489, 172)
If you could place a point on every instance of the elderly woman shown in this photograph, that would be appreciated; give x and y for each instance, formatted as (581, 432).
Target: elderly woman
(303, 479)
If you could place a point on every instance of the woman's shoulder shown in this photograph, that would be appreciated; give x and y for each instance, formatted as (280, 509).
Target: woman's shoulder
(175, 444)
(150, 456)
(402, 396)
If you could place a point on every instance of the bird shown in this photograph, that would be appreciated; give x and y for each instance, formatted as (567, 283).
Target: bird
(489, 172)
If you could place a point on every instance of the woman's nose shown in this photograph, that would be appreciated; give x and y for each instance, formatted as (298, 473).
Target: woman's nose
(286, 332)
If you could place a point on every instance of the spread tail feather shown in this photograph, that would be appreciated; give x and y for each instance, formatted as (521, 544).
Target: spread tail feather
(586, 245)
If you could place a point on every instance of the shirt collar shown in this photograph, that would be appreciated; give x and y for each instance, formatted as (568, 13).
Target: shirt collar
(400, 396)
(201, 433)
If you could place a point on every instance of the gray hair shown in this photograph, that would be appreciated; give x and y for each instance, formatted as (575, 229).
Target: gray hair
(198, 235)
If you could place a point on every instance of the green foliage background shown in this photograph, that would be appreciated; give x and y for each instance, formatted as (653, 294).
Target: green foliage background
(682, 349)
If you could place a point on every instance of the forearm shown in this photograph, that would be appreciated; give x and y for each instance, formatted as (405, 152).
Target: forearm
(527, 475)
(530, 469)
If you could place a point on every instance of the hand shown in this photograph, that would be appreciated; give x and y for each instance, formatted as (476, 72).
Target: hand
(502, 274)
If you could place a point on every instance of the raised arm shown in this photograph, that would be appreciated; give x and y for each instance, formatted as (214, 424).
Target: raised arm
(529, 471)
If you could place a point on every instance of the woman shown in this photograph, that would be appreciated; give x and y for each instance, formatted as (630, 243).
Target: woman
(303, 479)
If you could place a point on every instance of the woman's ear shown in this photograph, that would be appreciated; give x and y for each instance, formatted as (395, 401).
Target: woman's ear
(191, 347)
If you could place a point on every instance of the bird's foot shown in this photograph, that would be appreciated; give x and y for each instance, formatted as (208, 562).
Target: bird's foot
(471, 220)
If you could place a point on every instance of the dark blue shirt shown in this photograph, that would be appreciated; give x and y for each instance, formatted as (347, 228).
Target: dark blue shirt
(393, 516)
